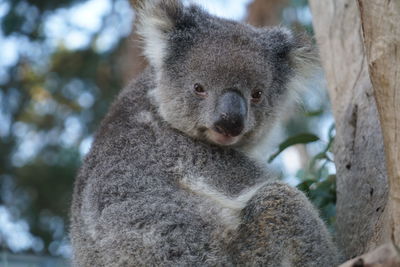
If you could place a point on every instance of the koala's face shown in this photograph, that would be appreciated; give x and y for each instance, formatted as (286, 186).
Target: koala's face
(219, 81)
(224, 88)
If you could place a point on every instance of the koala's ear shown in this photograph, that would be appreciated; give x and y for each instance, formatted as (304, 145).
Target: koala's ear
(301, 54)
(156, 18)
(304, 58)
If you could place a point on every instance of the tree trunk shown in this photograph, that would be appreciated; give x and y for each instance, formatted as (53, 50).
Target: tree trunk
(381, 30)
(131, 60)
(265, 12)
(365, 212)
(385, 256)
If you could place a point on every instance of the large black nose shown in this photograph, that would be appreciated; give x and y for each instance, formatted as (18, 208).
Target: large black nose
(231, 112)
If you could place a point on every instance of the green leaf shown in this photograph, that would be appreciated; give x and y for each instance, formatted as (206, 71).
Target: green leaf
(320, 156)
(302, 138)
(331, 131)
(314, 113)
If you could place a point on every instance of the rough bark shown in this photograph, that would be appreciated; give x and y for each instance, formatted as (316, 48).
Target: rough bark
(385, 256)
(131, 60)
(362, 183)
(381, 30)
(265, 12)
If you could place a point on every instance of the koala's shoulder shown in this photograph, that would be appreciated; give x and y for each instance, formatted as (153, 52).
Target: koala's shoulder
(137, 90)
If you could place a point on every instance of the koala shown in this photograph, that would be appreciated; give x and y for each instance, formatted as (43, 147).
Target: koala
(171, 178)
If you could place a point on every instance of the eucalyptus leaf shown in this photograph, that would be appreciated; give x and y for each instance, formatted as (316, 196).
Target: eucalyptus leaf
(303, 138)
(314, 113)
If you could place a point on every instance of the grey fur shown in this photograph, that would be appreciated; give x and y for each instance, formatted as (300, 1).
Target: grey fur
(156, 191)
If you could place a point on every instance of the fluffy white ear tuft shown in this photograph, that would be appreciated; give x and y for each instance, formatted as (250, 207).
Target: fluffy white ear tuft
(305, 62)
(156, 18)
(302, 54)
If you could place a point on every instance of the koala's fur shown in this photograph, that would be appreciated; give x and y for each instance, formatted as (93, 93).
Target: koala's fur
(159, 189)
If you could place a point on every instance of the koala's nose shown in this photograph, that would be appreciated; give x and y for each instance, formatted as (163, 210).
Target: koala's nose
(231, 113)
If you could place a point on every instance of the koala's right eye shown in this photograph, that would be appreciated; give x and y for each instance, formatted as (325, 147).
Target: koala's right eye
(256, 97)
(199, 90)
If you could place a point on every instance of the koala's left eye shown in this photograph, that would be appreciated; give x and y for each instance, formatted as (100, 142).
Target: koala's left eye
(256, 96)
(199, 90)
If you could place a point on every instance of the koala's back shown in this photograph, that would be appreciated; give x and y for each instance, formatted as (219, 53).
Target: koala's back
(174, 193)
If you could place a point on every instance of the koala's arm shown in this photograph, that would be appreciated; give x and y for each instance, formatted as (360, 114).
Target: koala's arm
(280, 227)
(123, 222)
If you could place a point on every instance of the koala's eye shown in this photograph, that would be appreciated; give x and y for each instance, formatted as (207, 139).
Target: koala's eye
(256, 97)
(199, 90)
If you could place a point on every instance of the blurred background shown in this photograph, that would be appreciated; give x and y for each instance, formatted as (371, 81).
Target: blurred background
(61, 64)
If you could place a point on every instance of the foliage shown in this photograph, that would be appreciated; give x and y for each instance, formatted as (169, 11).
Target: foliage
(319, 184)
(303, 138)
(51, 99)
(315, 178)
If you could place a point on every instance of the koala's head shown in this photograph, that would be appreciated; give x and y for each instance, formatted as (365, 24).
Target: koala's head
(218, 80)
